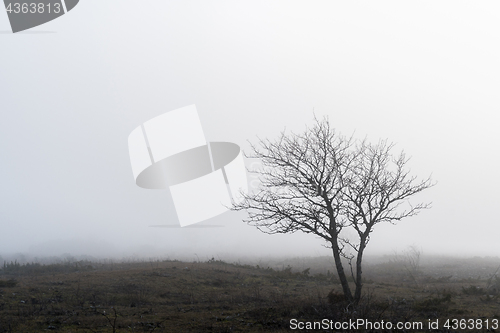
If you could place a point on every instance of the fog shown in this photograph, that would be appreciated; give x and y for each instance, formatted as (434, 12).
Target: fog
(424, 75)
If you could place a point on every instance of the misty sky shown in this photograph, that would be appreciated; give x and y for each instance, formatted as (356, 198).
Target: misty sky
(425, 75)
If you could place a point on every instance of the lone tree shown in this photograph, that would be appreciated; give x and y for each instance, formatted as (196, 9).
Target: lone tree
(322, 183)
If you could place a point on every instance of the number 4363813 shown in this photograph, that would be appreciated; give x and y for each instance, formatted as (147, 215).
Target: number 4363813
(33, 8)
(471, 324)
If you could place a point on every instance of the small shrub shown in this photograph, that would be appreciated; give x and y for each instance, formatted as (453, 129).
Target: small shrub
(335, 297)
(433, 304)
(473, 290)
(8, 283)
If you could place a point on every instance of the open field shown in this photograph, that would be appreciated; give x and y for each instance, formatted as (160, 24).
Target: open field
(215, 296)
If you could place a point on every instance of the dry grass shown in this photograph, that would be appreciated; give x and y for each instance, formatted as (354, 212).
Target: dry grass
(214, 296)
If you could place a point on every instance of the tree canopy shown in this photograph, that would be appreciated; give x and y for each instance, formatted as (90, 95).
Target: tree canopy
(323, 183)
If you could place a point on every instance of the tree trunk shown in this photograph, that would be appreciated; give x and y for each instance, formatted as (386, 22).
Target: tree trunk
(359, 259)
(341, 273)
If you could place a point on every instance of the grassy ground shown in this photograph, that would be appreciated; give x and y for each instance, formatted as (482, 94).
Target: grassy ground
(214, 296)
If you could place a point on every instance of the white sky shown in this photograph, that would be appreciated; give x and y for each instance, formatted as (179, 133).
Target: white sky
(425, 75)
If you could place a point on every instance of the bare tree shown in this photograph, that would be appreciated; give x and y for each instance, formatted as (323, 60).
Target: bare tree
(322, 183)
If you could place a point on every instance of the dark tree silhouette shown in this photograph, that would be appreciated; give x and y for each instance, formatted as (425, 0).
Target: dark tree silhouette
(322, 183)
